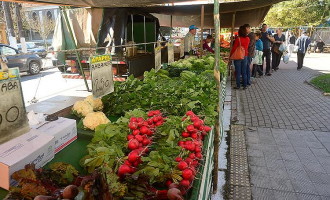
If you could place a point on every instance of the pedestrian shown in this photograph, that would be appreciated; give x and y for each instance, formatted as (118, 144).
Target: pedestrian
(258, 55)
(266, 38)
(251, 51)
(240, 65)
(276, 53)
(302, 42)
(292, 42)
(189, 40)
(206, 43)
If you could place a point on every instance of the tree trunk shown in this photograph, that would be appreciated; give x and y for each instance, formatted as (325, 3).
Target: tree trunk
(9, 20)
(19, 21)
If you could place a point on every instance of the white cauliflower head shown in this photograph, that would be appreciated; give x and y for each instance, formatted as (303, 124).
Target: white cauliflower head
(92, 120)
(82, 108)
(95, 102)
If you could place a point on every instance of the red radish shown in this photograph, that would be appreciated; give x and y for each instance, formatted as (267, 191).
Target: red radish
(133, 156)
(184, 118)
(189, 160)
(194, 118)
(151, 113)
(174, 194)
(198, 149)
(185, 183)
(194, 135)
(168, 182)
(139, 119)
(145, 123)
(159, 123)
(124, 169)
(140, 144)
(136, 132)
(182, 165)
(197, 124)
(157, 112)
(133, 170)
(189, 113)
(133, 119)
(187, 173)
(133, 125)
(199, 155)
(201, 128)
(207, 128)
(192, 155)
(144, 130)
(136, 163)
(190, 128)
(185, 134)
(146, 141)
(127, 163)
(133, 144)
(195, 163)
(178, 159)
(129, 137)
(204, 133)
(155, 119)
(180, 143)
(139, 138)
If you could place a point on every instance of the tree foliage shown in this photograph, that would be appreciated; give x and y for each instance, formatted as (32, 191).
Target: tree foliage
(298, 13)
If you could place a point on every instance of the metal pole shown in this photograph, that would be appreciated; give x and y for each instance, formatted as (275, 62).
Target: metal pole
(202, 26)
(75, 46)
(145, 33)
(132, 27)
(216, 140)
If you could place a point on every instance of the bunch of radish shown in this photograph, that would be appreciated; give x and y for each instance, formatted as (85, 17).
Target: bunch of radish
(139, 140)
(193, 135)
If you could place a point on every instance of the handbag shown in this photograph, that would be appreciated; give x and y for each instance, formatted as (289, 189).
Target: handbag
(257, 60)
(239, 52)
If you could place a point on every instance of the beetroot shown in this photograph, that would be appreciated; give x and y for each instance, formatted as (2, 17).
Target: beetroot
(174, 194)
(133, 144)
(182, 165)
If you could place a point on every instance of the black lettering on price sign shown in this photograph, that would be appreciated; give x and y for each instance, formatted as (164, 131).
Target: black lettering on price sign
(170, 53)
(13, 120)
(102, 77)
(158, 58)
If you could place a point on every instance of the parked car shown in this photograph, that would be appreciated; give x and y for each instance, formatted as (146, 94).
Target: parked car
(32, 47)
(26, 63)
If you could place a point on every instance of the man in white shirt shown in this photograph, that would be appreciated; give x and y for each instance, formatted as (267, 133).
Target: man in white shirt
(189, 39)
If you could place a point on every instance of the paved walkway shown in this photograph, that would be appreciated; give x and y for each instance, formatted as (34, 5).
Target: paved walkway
(287, 132)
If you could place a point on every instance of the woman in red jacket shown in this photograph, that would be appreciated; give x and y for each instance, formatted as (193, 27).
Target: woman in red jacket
(241, 65)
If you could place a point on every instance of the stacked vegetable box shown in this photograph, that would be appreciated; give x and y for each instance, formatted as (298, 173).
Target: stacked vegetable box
(155, 150)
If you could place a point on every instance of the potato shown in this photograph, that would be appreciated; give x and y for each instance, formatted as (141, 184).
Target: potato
(43, 197)
(70, 192)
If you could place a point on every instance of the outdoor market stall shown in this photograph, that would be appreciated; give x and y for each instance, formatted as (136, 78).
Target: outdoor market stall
(161, 142)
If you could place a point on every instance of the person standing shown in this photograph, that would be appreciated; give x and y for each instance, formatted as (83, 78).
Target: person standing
(251, 51)
(189, 40)
(266, 39)
(258, 52)
(302, 42)
(292, 42)
(276, 53)
(320, 45)
(240, 65)
(206, 43)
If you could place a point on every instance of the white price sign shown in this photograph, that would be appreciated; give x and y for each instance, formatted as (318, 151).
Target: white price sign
(13, 119)
(170, 53)
(102, 77)
(158, 58)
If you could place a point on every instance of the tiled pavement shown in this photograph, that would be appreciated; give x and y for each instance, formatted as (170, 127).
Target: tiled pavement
(287, 132)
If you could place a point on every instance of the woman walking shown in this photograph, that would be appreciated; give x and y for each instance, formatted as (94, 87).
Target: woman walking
(276, 53)
(240, 65)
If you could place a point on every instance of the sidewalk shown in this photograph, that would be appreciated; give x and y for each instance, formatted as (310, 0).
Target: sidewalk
(287, 133)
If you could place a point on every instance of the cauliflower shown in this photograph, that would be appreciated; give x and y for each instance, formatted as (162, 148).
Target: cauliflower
(92, 120)
(82, 108)
(95, 102)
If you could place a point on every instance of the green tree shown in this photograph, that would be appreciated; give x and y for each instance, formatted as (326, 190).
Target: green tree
(298, 13)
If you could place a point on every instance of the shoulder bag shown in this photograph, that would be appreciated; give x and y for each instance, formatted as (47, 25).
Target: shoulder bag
(239, 52)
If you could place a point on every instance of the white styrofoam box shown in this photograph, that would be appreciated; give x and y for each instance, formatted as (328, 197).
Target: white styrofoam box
(31, 148)
(64, 130)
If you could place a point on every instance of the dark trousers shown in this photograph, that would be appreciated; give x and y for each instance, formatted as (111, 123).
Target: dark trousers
(267, 55)
(276, 59)
(240, 69)
(300, 59)
(255, 69)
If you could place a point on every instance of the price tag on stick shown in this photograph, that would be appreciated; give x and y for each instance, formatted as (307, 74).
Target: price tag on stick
(13, 119)
(170, 53)
(102, 77)
(158, 58)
